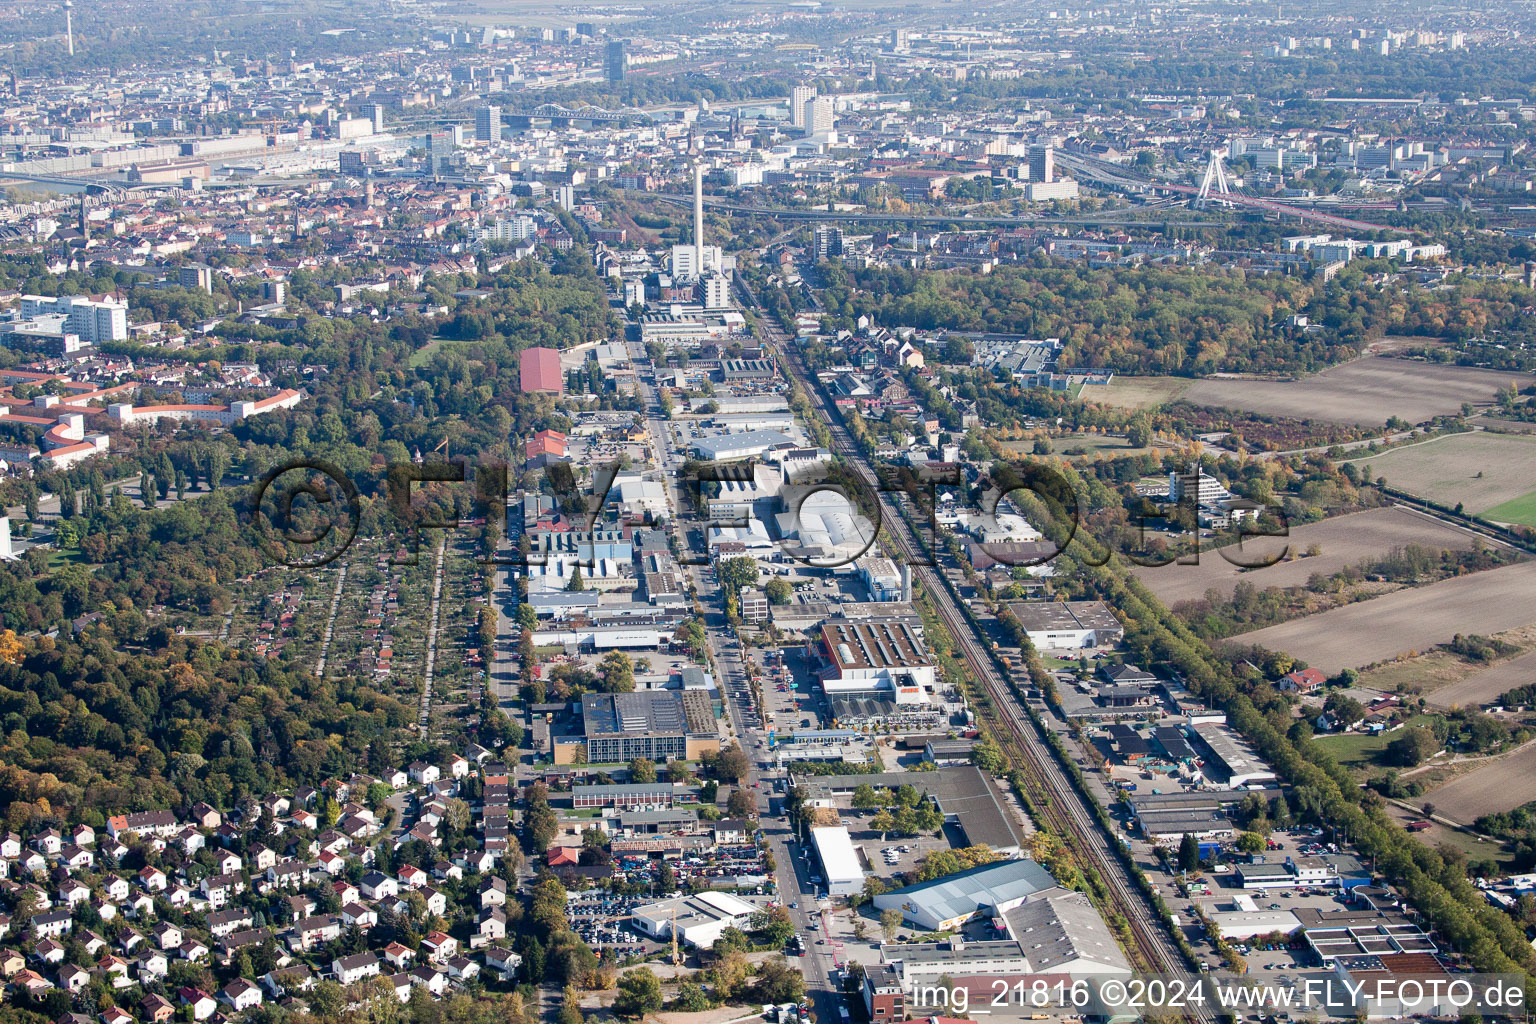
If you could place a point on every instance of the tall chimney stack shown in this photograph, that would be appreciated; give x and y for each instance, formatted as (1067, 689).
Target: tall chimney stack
(69, 25)
(698, 217)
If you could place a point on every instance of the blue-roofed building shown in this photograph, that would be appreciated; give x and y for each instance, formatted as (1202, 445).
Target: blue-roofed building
(987, 891)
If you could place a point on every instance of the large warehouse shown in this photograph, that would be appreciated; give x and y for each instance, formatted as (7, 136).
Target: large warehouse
(964, 794)
(839, 861)
(701, 919)
(875, 656)
(741, 445)
(662, 725)
(539, 371)
(949, 902)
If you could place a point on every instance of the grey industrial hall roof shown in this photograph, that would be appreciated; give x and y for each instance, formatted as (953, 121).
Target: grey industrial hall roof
(961, 791)
(1059, 930)
(986, 886)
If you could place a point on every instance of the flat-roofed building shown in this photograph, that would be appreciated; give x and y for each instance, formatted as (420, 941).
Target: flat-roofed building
(964, 794)
(990, 889)
(699, 919)
(661, 725)
(1232, 762)
(839, 861)
(886, 657)
(634, 796)
(1067, 625)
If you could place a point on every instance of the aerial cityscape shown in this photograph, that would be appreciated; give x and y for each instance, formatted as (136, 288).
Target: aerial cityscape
(805, 511)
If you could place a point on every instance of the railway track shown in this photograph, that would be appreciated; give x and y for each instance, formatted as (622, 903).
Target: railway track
(1058, 802)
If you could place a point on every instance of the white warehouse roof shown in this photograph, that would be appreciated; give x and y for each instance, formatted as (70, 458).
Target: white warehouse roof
(835, 848)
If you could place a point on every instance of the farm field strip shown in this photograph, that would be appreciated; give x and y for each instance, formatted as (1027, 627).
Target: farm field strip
(1483, 686)
(1499, 785)
(1344, 540)
(1415, 619)
(1480, 470)
(1365, 391)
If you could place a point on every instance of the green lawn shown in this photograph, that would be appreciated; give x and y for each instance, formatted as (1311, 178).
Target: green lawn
(1521, 510)
(422, 356)
(1356, 750)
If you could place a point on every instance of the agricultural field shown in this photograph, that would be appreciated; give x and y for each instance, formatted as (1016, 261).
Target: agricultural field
(1087, 446)
(1501, 784)
(1414, 619)
(1343, 540)
(1139, 392)
(1493, 475)
(1482, 686)
(1368, 390)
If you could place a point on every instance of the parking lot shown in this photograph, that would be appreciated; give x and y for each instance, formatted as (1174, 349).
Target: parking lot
(794, 699)
(591, 915)
(1220, 885)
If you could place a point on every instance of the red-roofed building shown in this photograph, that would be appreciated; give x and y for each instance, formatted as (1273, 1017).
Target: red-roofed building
(1306, 680)
(562, 855)
(539, 370)
(549, 443)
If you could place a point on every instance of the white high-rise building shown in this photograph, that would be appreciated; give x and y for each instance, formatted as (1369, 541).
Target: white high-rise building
(799, 96)
(1207, 489)
(6, 552)
(94, 322)
(717, 292)
(515, 230)
(818, 116)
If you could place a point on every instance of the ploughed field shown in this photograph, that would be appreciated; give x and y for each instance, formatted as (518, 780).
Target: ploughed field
(1366, 391)
(1343, 541)
(1413, 619)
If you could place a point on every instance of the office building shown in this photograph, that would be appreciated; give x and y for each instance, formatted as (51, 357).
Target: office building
(818, 116)
(488, 124)
(661, 725)
(900, 42)
(615, 60)
(1042, 164)
(827, 241)
(799, 96)
(374, 113)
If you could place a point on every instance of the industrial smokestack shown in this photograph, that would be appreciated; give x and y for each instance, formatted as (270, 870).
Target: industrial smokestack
(69, 25)
(906, 583)
(698, 218)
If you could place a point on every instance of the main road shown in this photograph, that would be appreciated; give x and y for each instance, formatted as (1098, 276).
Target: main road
(791, 872)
